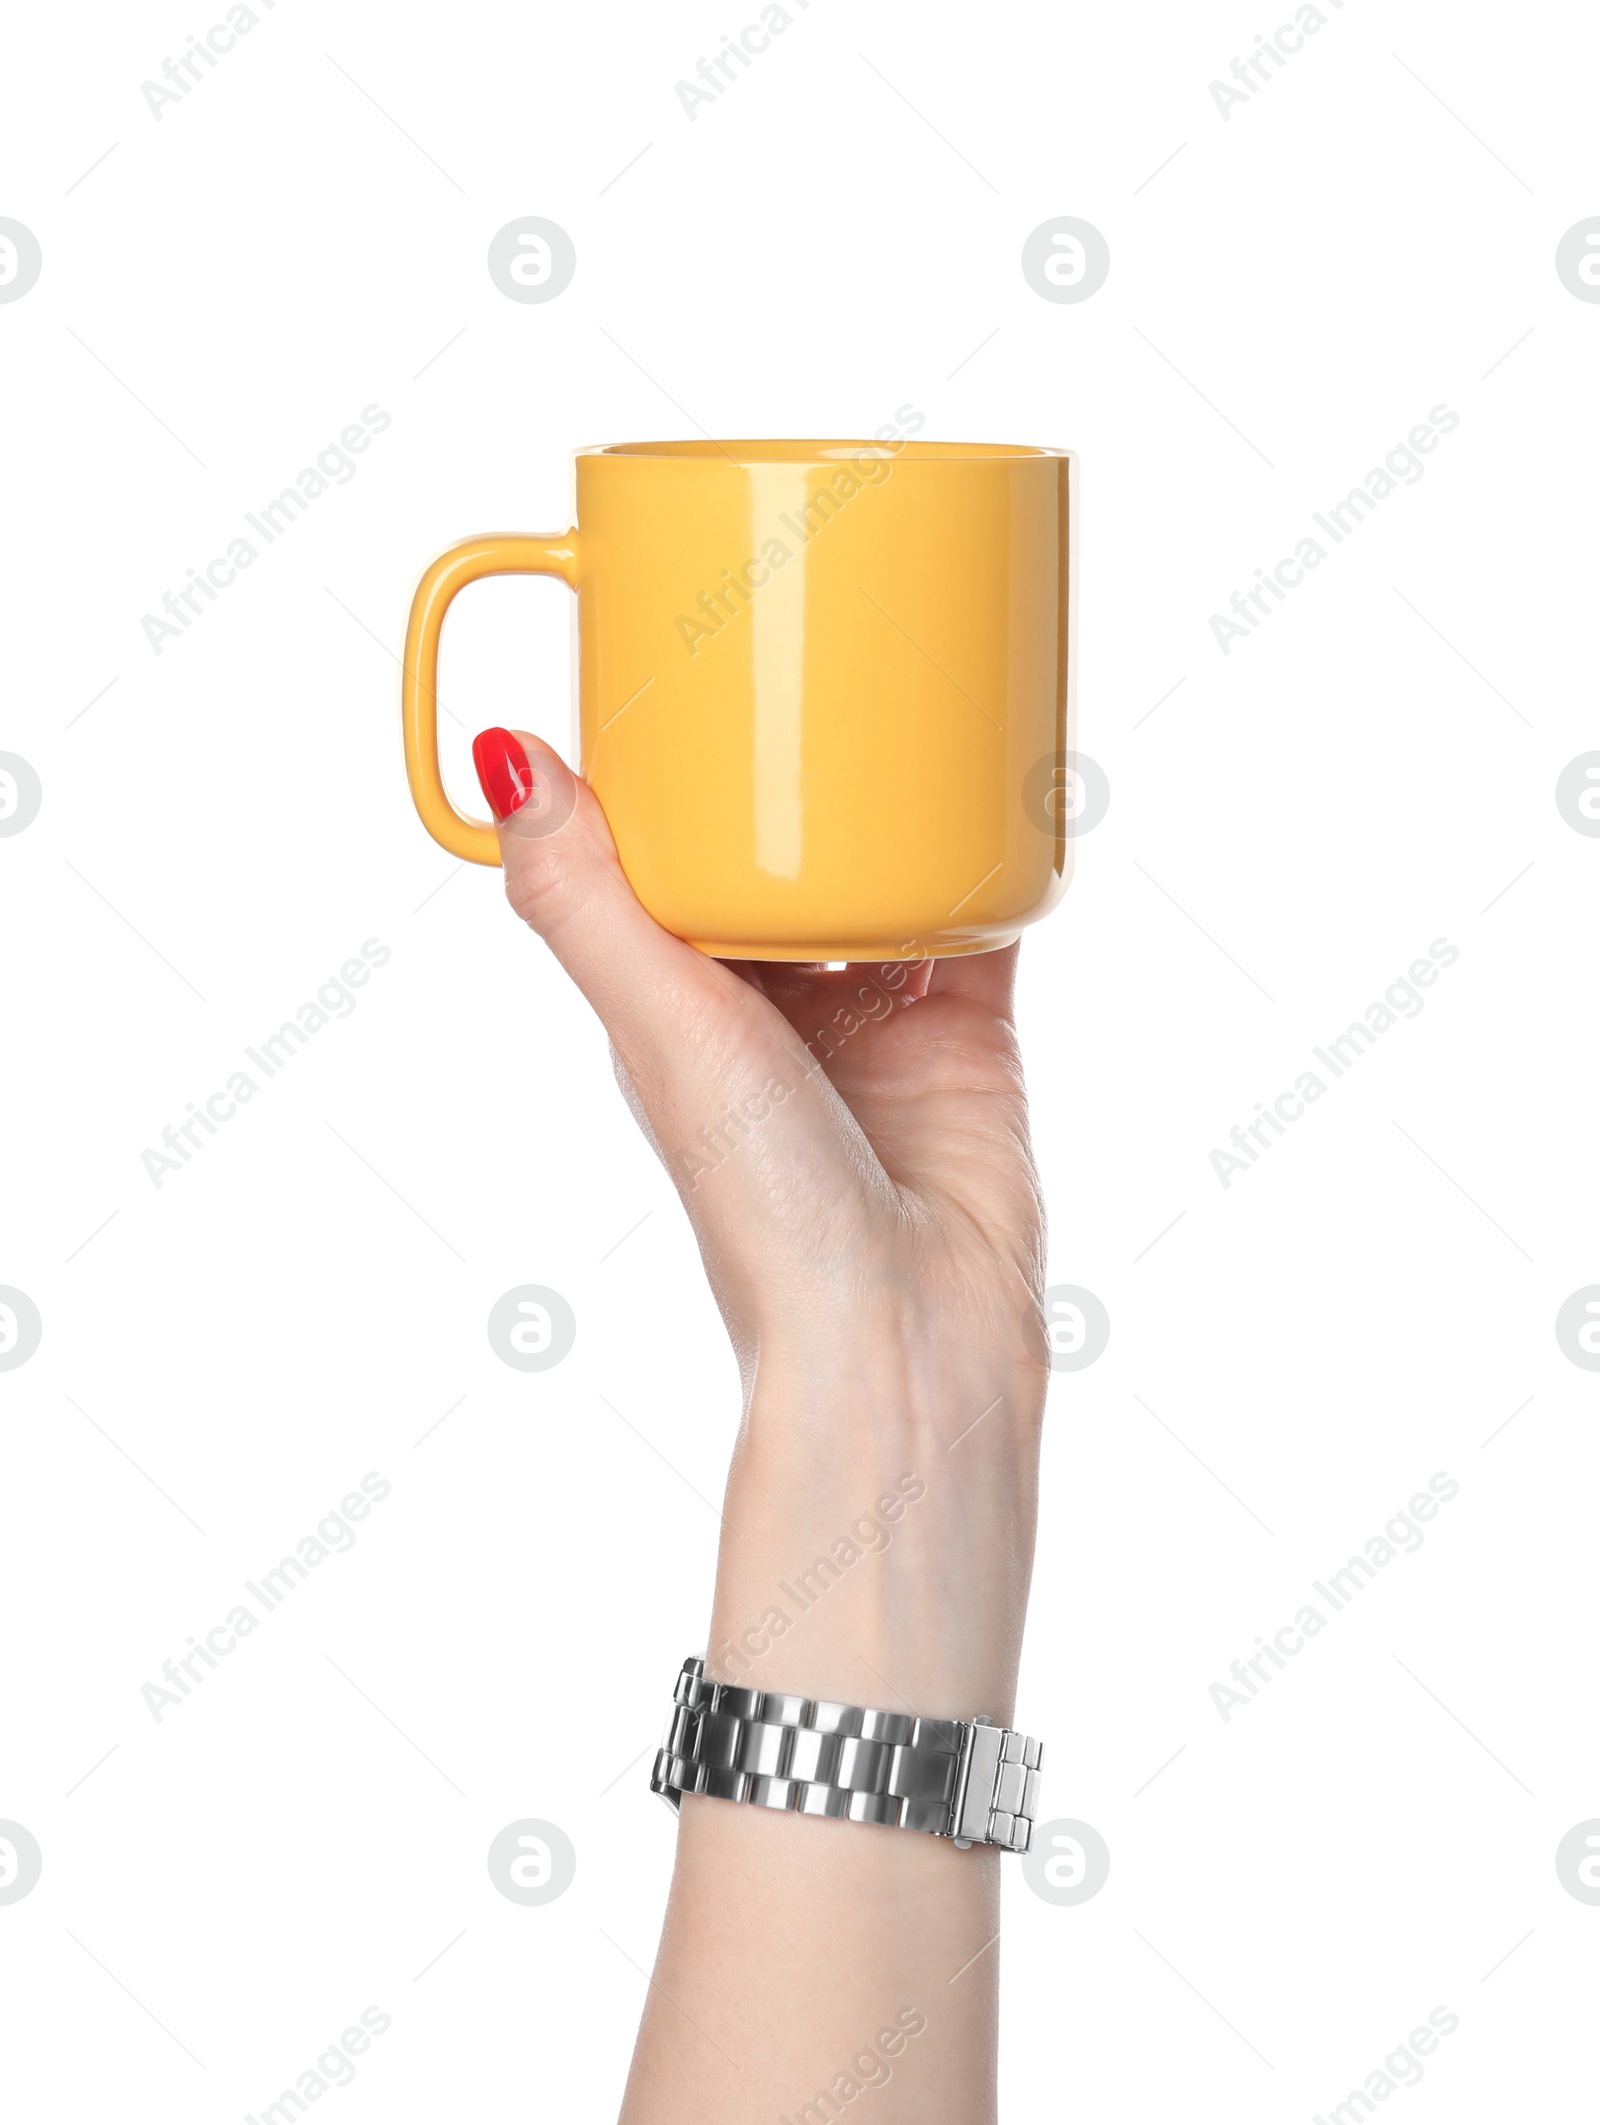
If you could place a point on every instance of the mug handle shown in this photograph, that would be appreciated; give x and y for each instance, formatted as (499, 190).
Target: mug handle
(419, 675)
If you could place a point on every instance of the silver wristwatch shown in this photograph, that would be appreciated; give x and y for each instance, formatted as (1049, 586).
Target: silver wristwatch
(967, 1780)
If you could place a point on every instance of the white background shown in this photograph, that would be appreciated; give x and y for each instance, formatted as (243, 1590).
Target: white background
(1374, 1834)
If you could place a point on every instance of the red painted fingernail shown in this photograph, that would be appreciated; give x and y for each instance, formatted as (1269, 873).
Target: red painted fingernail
(504, 773)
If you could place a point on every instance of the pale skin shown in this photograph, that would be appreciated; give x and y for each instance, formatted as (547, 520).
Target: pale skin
(875, 1242)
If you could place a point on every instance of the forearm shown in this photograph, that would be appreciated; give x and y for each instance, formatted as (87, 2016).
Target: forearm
(876, 1550)
(796, 1951)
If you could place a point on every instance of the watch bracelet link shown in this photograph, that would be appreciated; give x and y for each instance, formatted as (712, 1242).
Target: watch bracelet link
(966, 1780)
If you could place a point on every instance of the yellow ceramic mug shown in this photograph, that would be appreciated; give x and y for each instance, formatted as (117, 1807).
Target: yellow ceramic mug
(825, 688)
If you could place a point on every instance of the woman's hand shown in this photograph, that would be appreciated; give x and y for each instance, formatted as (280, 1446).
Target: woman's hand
(852, 1150)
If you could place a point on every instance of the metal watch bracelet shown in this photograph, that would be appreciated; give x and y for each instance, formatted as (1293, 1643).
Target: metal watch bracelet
(967, 1780)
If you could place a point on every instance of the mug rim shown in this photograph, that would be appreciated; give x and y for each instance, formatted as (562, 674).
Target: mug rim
(817, 450)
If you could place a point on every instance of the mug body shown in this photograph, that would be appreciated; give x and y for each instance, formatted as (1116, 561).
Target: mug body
(825, 689)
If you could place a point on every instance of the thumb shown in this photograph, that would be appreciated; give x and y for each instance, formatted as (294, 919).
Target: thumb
(704, 1057)
(683, 1025)
(555, 847)
(564, 879)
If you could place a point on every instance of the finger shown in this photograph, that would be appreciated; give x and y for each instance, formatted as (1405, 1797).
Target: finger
(563, 878)
(987, 978)
(815, 997)
(690, 1036)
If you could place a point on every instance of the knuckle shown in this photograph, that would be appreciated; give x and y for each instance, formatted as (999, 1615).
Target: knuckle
(540, 882)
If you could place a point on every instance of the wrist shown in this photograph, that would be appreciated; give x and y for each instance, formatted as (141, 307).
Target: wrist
(878, 1534)
(922, 1361)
